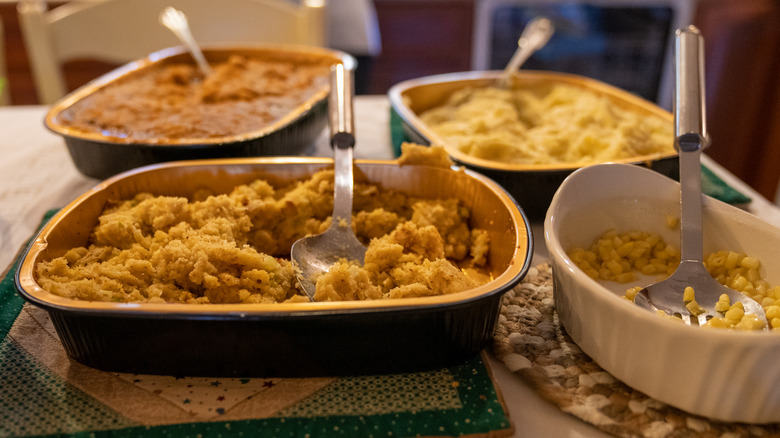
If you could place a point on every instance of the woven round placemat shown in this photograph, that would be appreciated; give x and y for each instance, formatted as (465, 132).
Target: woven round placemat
(533, 345)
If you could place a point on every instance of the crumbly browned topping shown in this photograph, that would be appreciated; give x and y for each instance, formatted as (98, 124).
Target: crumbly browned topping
(234, 248)
(172, 101)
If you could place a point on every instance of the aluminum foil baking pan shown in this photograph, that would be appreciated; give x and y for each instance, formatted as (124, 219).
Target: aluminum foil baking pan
(533, 186)
(100, 156)
(302, 339)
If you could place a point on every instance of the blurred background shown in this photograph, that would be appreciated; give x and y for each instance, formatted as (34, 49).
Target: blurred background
(627, 43)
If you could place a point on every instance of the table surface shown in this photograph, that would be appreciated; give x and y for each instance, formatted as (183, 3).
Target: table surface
(36, 174)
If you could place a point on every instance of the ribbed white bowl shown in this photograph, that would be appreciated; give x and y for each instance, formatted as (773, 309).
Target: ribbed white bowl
(719, 374)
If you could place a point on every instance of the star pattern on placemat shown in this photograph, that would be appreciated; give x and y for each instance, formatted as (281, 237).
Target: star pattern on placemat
(532, 344)
(205, 397)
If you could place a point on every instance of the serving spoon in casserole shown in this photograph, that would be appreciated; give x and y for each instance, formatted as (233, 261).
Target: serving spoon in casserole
(177, 22)
(691, 138)
(314, 255)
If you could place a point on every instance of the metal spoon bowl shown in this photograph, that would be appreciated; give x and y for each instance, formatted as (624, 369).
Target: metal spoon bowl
(314, 255)
(691, 134)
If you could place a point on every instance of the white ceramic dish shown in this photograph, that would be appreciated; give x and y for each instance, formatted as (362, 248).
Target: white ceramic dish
(719, 374)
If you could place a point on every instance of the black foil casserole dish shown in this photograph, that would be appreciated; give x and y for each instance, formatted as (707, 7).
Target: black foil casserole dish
(285, 339)
(532, 185)
(101, 135)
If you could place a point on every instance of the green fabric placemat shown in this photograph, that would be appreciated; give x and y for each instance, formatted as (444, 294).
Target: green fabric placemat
(397, 134)
(42, 392)
(711, 184)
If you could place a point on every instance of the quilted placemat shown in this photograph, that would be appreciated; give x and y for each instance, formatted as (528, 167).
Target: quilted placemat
(533, 345)
(43, 392)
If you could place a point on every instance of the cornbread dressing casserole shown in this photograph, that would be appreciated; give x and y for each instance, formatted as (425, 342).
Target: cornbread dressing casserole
(234, 247)
(171, 100)
(546, 124)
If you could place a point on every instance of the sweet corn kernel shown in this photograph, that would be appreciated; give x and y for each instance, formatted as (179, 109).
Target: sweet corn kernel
(640, 262)
(750, 263)
(735, 313)
(649, 269)
(661, 256)
(739, 283)
(637, 253)
(631, 292)
(752, 275)
(620, 256)
(652, 239)
(659, 264)
(722, 306)
(626, 248)
(694, 308)
(718, 322)
(750, 322)
(609, 234)
(715, 260)
(772, 312)
(614, 267)
(592, 273)
(688, 294)
(731, 260)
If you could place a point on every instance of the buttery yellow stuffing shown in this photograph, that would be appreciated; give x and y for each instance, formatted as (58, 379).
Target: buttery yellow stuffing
(234, 247)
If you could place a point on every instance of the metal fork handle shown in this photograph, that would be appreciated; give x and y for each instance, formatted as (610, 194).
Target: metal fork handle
(691, 137)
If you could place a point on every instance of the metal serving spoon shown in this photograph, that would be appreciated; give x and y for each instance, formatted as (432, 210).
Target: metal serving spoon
(176, 21)
(535, 35)
(314, 255)
(691, 138)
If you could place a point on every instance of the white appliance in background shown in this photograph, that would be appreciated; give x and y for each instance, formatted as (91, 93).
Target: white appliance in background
(626, 43)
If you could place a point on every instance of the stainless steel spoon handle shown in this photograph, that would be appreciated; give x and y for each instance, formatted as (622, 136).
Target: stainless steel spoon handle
(535, 35)
(342, 120)
(690, 117)
(342, 140)
(691, 138)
